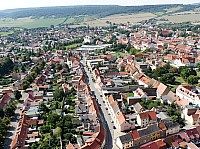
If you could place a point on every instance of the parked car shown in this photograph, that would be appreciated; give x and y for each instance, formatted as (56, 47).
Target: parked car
(114, 127)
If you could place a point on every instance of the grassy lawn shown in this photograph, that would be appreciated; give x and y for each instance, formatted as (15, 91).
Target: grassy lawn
(72, 46)
(180, 80)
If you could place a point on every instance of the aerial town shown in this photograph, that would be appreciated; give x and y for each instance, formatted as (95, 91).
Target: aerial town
(127, 86)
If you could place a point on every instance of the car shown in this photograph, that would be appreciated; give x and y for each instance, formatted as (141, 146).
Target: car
(108, 113)
(106, 108)
(103, 101)
(114, 127)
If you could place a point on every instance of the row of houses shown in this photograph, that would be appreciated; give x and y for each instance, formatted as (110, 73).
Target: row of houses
(155, 137)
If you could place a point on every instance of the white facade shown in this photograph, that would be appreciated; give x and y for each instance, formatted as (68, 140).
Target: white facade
(142, 122)
(184, 93)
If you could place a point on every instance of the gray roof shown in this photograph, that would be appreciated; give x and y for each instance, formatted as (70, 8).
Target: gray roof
(126, 138)
(171, 96)
(148, 130)
(138, 107)
(170, 124)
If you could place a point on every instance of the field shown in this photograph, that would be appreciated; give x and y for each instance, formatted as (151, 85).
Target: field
(73, 45)
(30, 22)
(183, 17)
(5, 33)
(173, 9)
(119, 18)
(93, 21)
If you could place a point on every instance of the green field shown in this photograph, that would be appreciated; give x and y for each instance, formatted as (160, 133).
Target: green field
(6, 33)
(193, 17)
(30, 22)
(73, 45)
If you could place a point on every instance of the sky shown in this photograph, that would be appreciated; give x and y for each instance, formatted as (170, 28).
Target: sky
(10, 4)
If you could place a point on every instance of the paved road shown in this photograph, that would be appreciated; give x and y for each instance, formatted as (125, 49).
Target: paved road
(104, 113)
(13, 126)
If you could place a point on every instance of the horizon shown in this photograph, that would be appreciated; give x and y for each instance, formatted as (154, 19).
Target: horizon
(20, 4)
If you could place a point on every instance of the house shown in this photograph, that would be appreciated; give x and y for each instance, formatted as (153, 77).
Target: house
(194, 135)
(125, 141)
(171, 142)
(171, 127)
(4, 100)
(145, 118)
(145, 93)
(122, 123)
(192, 114)
(149, 133)
(160, 143)
(162, 90)
(143, 80)
(190, 93)
(170, 97)
(186, 61)
(25, 136)
(88, 39)
(150, 145)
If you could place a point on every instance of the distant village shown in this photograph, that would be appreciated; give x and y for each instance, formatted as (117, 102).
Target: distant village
(121, 87)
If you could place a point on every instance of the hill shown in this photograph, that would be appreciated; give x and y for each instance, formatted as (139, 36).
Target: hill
(100, 11)
(96, 15)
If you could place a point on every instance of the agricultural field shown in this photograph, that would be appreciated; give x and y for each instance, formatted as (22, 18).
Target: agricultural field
(183, 17)
(174, 9)
(6, 33)
(119, 18)
(30, 22)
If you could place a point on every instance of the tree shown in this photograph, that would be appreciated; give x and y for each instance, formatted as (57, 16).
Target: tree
(59, 94)
(186, 72)
(168, 78)
(57, 132)
(1, 113)
(192, 79)
(17, 94)
(198, 66)
(53, 119)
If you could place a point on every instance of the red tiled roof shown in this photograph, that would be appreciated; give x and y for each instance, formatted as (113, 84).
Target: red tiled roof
(152, 115)
(135, 135)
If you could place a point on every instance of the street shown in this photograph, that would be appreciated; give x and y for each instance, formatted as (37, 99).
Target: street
(106, 119)
(13, 126)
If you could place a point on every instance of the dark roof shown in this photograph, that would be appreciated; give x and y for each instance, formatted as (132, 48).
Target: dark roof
(170, 124)
(126, 138)
(148, 130)
(150, 91)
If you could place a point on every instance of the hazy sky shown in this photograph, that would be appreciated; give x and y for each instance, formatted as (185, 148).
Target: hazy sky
(8, 4)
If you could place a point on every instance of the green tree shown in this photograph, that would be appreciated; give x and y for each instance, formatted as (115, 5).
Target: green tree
(53, 119)
(17, 94)
(168, 78)
(192, 79)
(198, 66)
